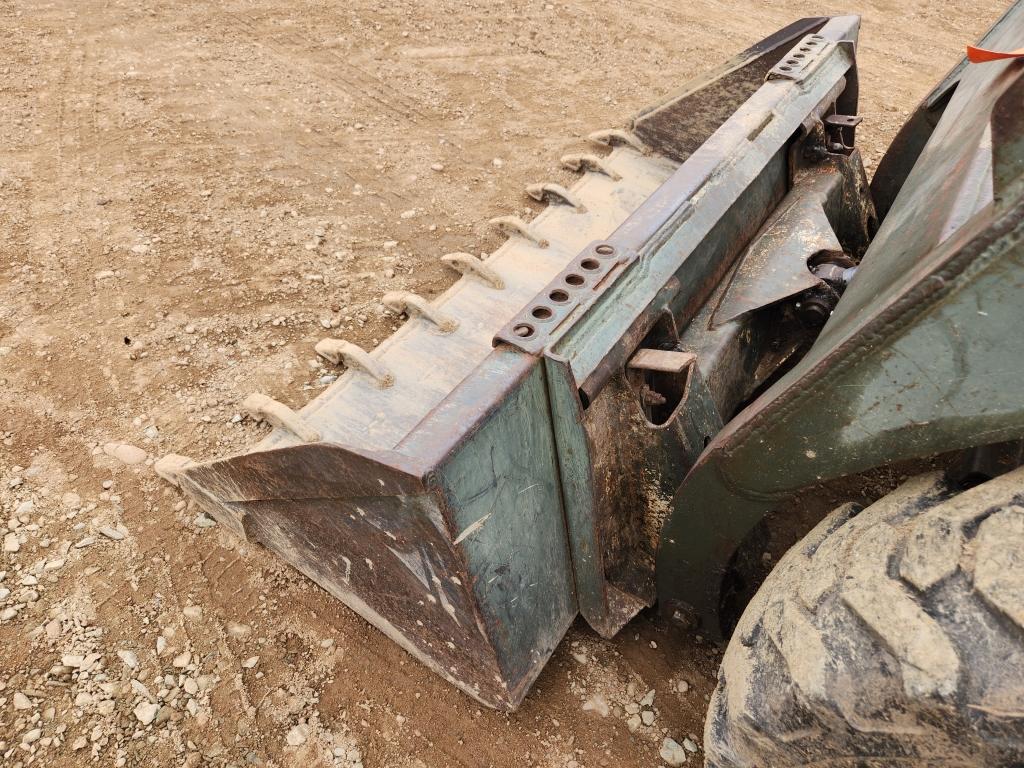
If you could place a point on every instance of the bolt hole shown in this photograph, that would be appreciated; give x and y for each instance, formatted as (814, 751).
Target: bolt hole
(523, 331)
(558, 296)
(805, 49)
(604, 250)
(798, 56)
(785, 69)
(574, 279)
(542, 313)
(590, 264)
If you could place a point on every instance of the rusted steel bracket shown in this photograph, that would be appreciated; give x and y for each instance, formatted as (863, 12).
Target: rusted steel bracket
(578, 286)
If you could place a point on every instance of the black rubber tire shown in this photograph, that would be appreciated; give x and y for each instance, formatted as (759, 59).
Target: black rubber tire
(892, 636)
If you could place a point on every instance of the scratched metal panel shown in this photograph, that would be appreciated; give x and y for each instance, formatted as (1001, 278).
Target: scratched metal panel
(503, 490)
(373, 531)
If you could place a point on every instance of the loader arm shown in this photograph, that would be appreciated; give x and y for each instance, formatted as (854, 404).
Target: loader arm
(921, 355)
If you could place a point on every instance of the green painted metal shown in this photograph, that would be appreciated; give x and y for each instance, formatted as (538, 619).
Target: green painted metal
(619, 470)
(534, 484)
(922, 354)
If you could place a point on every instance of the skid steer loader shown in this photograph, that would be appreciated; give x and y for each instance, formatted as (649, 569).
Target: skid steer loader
(719, 313)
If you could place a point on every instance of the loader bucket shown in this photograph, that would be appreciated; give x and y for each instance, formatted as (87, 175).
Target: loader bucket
(503, 462)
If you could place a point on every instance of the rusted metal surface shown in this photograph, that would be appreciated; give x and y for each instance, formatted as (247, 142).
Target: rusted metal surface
(678, 125)
(919, 356)
(827, 201)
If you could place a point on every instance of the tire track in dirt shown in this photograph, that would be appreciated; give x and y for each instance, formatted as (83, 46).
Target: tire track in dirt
(374, 91)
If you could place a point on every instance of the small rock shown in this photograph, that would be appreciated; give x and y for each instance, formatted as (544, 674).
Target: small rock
(296, 736)
(71, 500)
(497, 162)
(238, 630)
(682, 686)
(647, 717)
(634, 722)
(31, 736)
(251, 662)
(181, 660)
(648, 699)
(193, 612)
(21, 701)
(436, 167)
(690, 744)
(672, 753)
(129, 658)
(79, 743)
(596, 703)
(4, 593)
(204, 521)
(125, 453)
(146, 712)
(87, 541)
(110, 533)
(11, 543)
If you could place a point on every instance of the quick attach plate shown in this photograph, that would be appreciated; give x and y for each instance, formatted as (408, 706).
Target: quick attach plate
(580, 284)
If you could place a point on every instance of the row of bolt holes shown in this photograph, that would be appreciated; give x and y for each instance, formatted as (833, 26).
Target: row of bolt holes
(560, 296)
(794, 60)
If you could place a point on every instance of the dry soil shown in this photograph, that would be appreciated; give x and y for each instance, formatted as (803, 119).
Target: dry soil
(189, 194)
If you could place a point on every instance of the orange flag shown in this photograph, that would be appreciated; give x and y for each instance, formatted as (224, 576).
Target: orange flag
(980, 55)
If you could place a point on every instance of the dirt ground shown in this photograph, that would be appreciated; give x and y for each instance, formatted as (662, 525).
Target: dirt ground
(189, 193)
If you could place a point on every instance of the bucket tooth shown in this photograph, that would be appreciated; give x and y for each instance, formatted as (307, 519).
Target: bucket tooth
(171, 466)
(550, 192)
(413, 304)
(589, 162)
(341, 352)
(616, 137)
(268, 409)
(513, 225)
(468, 264)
